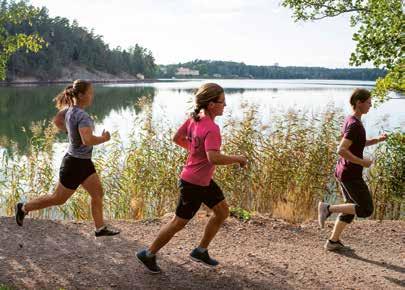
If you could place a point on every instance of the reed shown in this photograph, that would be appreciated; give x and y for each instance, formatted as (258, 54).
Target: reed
(291, 164)
(387, 178)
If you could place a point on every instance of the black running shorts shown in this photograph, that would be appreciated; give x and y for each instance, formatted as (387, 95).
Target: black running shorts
(74, 171)
(192, 196)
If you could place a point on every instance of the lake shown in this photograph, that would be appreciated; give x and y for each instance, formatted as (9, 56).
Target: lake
(114, 104)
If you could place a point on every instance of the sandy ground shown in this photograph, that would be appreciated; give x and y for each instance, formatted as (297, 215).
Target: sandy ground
(263, 253)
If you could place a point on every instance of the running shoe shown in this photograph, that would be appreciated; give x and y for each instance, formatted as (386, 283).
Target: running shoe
(148, 261)
(19, 214)
(106, 231)
(203, 257)
(323, 213)
(334, 246)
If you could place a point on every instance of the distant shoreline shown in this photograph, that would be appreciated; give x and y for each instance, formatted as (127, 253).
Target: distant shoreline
(112, 81)
(134, 81)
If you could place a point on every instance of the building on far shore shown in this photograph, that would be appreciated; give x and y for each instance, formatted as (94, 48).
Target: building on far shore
(184, 71)
(140, 76)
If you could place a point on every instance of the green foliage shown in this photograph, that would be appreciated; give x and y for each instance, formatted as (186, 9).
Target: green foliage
(228, 69)
(387, 177)
(379, 34)
(394, 80)
(240, 213)
(84, 50)
(16, 13)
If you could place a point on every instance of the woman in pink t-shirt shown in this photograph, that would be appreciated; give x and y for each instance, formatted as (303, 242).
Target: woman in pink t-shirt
(201, 137)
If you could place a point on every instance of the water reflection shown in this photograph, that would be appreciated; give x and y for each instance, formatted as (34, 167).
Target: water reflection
(21, 106)
(114, 105)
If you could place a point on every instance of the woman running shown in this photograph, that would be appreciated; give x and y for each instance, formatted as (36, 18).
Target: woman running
(201, 137)
(76, 168)
(349, 172)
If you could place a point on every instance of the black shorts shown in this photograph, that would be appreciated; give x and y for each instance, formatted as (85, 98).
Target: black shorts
(73, 171)
(192, 196)
(356, 191)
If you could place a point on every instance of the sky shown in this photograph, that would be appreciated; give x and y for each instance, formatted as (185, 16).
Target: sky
(256, 32)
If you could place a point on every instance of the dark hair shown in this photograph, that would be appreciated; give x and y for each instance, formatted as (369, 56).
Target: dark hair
(207, 93)
(65, 98)
(361, 95)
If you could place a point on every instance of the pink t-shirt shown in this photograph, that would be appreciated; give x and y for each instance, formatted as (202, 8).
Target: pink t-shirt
(203, 136)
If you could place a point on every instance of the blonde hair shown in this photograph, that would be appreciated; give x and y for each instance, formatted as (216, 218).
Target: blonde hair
(65, 98)
(209, 92)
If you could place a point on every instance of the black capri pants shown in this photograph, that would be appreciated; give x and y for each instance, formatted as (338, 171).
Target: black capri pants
(356, 191)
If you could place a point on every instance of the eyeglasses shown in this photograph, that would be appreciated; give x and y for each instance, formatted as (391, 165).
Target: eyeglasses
(220, 102)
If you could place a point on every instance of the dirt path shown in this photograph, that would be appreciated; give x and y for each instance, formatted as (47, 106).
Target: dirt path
(261, 254)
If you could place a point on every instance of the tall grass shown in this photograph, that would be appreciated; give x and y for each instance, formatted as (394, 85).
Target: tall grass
(30, 175)
(291, 164)
(387, 178)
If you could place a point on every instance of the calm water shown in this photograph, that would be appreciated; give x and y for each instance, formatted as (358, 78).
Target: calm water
(114, 105)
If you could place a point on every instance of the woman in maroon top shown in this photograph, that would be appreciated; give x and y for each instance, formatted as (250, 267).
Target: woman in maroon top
(349, 171)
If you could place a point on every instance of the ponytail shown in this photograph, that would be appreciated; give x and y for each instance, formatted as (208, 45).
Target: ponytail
(207, 93)
(195, 114)
(65, 98)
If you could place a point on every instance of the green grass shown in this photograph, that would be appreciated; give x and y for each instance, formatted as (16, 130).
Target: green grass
(240, 214)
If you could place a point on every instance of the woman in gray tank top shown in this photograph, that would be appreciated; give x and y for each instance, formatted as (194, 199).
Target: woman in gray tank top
(76, 168)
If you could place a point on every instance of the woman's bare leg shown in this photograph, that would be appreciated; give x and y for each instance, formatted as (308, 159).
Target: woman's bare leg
(59, 197)
(167, 232)
(93, 186)
(221, 212)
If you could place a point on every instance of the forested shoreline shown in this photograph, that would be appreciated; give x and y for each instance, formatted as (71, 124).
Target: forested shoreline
(230, 69)
(71, 51)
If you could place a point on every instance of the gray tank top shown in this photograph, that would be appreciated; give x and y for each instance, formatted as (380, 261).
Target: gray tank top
(76, 118)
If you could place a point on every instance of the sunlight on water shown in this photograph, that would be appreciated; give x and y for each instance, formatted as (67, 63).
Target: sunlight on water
(114, 105)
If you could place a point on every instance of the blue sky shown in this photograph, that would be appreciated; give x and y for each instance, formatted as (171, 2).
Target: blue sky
(258, 32)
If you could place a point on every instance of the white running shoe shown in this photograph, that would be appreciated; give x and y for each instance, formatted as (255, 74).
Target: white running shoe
(323, 213)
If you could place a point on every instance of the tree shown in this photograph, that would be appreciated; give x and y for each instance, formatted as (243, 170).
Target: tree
(84, 49)
(12, 13)
(379, 25)
(229, 69)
